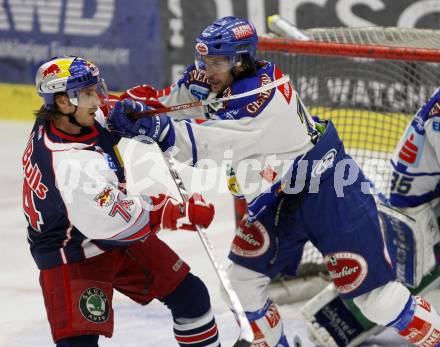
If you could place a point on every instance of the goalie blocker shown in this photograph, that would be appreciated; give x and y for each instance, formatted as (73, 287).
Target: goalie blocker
(414, 249)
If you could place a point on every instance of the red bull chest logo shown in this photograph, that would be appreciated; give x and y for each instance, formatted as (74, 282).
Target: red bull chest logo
(105, 198)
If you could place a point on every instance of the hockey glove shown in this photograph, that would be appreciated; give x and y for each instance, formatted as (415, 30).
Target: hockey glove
(145, 93)
(148, 129)
(169, 213)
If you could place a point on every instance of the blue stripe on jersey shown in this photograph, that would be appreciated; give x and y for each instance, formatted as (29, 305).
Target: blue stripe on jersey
(256, 315)
(193, 142)
(403, 169)
(399, 200)
(406, 316)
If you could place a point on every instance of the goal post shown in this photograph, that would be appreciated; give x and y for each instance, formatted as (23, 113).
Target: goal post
(369, 81)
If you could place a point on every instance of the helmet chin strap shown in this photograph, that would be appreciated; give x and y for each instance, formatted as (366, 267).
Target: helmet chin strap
(71, 117)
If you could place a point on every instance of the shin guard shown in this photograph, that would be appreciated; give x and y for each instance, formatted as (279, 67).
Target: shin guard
(267, 327)
(419, 323)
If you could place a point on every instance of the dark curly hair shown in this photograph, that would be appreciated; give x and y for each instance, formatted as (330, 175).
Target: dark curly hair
(51, 113)
(250, 67)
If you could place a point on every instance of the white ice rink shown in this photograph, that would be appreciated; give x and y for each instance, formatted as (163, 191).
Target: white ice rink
(22, 314)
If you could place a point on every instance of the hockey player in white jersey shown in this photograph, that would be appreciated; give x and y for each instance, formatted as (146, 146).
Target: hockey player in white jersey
(300, 185)
(86, 234)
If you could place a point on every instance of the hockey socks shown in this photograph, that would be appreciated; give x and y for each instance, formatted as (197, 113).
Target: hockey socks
(419, 323)
(194, 324)
(197, 332)
(267, 326)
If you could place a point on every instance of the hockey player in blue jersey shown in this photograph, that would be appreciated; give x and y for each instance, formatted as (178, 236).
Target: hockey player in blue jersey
(297, 180)
(86, 234)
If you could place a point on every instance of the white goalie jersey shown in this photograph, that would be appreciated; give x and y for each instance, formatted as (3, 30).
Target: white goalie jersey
(416, 160)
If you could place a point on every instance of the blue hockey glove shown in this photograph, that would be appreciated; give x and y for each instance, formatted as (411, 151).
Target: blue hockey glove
(148, 129)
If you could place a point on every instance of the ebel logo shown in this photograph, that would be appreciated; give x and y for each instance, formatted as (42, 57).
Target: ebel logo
(57, 16)
(325, 162)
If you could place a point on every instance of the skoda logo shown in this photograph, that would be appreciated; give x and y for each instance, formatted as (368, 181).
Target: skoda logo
(94, 305)
(325, 162)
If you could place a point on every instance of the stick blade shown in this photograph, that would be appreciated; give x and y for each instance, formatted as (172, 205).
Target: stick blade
(242, 343)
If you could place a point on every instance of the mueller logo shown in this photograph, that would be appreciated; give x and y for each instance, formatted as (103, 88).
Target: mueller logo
(347, 270)
(243, 32)
(251, 242)
(57, 16)
(409, 150)
(52, 70)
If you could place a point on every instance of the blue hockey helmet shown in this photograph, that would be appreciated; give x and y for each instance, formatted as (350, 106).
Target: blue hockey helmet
(229, 36)
(68, 75)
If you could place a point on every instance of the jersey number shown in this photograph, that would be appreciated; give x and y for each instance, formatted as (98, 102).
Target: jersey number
(401, 184)
(119, 208)
(33, 215)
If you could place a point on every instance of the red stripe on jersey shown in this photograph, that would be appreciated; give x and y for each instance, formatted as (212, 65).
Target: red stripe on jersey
(64, 136)
(200, 121)
(197, 337)
(141, 233)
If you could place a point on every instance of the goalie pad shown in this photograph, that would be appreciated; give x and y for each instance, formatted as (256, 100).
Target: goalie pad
(410, 243)
(332, 323)
(415, 251)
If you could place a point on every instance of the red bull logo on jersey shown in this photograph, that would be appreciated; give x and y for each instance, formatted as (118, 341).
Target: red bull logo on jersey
(52, 70)
(347, 270)
(411, 150)
(105, 198)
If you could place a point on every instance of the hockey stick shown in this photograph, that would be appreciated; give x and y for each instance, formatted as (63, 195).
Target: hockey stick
(246, 334)
(199, 103)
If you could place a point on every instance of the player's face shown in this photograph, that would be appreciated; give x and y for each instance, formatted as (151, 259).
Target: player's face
(218, 71)
(88, 102)
(84, 113)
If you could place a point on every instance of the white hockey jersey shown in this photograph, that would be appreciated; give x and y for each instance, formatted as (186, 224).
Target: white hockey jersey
(258, 138)
(74, 197)
(416, 160)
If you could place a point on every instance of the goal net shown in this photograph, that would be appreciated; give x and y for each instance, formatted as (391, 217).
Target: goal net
(368, 81)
